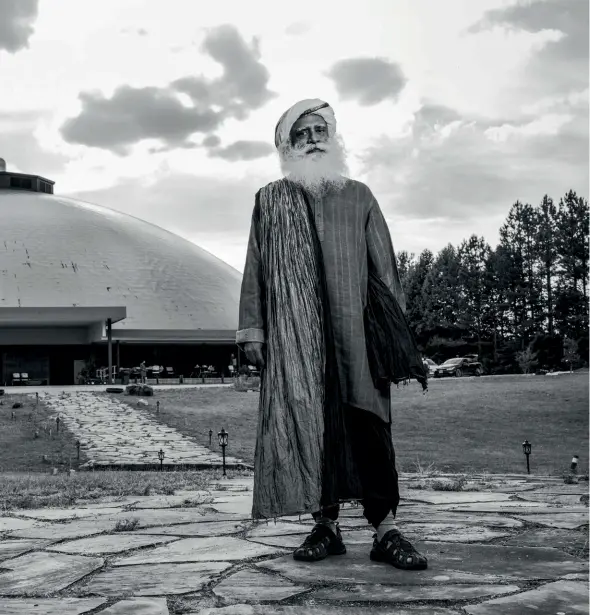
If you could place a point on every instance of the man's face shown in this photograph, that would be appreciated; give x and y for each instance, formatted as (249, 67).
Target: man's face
(308, 131)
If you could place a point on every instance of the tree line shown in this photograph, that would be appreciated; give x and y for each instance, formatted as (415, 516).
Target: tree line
(520, 306)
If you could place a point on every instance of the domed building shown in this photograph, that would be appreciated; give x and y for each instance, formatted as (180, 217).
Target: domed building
(86, 285)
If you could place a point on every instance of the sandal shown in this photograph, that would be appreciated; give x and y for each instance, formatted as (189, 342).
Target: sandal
(396, 550)
(319, 544)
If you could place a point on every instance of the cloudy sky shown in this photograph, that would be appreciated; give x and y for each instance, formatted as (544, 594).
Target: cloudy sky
(450, 111)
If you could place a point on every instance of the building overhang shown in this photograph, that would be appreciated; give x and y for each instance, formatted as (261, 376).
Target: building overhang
(171, 336)
(59, 317)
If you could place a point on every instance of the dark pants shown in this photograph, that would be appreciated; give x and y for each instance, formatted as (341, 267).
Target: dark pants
(369, 439)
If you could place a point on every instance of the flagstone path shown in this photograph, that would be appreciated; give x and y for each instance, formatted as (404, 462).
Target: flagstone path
(114, 434)
(497, 551)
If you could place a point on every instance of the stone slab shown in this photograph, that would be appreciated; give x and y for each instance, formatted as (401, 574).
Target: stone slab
(411, 593)
(292, 541)
(514, 506)
(455, 497)
(554, 499)
(110, 543)
(561, 597)
(451, 532)
(438, 516)
(168, 501)
(566, 521)
(72, 529)
(213, 549)
(156, 579)
(62, 514)
(254, 586)
(8, 524)
(138, 606)
(448, 563)
(268, 609)
(563, 489)
(215, 528)
(43, 573)
(557, 538)
(12, 548)
(50, 606)
(280, 528)
(238, 505)
(170, 516)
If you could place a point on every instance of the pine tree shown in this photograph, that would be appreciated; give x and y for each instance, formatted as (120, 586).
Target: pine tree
(440, 293)
(473, 255)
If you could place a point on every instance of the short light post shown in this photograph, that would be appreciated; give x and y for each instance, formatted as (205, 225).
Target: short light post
(78, 448)
(57, 422)
(161, 458)
(223, 439)
(157, 407)
(574, 464)
(526, 449)
(210, 437)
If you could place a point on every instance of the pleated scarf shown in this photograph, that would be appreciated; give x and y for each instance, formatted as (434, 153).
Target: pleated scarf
(298, 462)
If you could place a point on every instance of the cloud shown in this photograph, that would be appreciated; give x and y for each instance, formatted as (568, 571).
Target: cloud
(369, 81)
(20, 147)
(465, 169)
(134, 114)
(16, 23)
(243, 150)
(297, 28)
(562, 64)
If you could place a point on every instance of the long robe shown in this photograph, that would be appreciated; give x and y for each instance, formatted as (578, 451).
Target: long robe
(351, 227)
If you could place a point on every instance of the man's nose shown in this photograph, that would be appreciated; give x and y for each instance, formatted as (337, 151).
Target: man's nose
(312, 138)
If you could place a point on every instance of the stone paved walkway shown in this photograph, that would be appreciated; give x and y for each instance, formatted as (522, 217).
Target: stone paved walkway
(516, 546)
(114, 434)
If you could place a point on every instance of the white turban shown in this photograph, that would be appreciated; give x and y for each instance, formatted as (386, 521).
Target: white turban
(304, 107)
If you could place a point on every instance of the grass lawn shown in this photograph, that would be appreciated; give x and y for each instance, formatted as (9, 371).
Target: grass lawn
(20, 451)
(36, 490)
(461, 425)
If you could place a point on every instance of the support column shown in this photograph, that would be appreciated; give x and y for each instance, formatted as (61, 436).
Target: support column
(110, 350)
(118, 356)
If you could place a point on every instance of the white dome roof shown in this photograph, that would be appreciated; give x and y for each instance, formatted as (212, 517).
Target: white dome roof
(61, 252)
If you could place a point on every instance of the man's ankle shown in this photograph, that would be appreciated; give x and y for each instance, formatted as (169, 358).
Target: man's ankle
(385, 526)
(331, 523)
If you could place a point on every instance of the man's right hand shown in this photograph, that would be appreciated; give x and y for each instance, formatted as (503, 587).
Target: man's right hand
(253, 351)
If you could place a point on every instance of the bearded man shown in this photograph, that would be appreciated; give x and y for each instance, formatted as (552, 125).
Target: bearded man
(324, 431)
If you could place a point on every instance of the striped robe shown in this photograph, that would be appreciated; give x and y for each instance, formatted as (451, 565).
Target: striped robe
(351, 227)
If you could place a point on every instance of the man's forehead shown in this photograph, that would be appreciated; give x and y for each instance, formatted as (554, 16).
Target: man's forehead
(308, 121)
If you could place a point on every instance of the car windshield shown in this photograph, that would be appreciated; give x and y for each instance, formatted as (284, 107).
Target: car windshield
(452, 362)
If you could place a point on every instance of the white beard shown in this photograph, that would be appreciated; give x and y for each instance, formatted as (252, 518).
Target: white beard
(319, 171)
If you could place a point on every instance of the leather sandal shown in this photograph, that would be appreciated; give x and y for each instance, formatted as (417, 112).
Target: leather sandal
(320, 543)
(396, 550)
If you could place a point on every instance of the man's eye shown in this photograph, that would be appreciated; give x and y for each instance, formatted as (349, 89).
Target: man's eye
(300, 133)
(321, 129)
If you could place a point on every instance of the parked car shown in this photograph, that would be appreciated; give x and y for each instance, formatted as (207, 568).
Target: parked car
(459, 366)
(430, 365)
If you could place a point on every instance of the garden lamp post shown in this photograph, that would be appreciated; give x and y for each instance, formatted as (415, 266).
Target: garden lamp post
(78, 448)
(210, 436)
(223, 439)
(161, 458)
(526, 449)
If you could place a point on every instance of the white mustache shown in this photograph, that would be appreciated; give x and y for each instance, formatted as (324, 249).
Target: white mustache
(312, 148)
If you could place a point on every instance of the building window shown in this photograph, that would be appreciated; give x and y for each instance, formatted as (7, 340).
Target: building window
(21, 183)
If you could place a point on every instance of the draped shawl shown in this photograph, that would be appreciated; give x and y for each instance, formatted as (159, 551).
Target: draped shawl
(301, 462)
